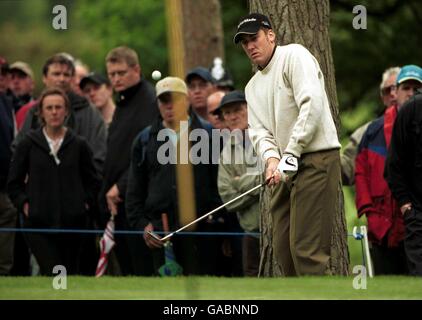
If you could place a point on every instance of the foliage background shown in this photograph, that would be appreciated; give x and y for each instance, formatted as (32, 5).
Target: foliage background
(392, 38)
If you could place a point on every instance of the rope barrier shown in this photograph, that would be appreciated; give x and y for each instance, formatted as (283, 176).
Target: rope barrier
(101, 231)
(357, 236)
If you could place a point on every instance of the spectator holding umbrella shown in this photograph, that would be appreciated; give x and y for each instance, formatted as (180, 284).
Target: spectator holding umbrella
(61, 186)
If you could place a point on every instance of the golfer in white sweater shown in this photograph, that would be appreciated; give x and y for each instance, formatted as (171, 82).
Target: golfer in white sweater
(291, 127)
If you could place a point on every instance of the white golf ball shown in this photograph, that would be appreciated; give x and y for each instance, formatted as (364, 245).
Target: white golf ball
(156, 75)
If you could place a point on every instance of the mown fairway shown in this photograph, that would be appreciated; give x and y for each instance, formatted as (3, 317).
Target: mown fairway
(210, 288)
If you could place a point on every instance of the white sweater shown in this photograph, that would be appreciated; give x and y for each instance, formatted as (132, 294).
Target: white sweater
(288, 110)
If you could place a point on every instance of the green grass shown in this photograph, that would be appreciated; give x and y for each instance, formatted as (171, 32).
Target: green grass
(222, 288)
(210, 288)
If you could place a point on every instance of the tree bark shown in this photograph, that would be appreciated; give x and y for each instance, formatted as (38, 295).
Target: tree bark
(203, 36)
(306, 22)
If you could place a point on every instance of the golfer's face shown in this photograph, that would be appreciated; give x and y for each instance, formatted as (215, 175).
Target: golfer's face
(259, 47)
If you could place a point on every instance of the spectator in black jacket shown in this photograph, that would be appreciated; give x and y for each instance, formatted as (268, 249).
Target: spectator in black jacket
(58, 71)
(136, 108)
(62, 184)
(83, 119)
(152, 187)
(403, 172)
(7, 211)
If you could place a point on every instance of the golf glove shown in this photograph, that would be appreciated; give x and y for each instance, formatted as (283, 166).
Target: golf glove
(287, 167)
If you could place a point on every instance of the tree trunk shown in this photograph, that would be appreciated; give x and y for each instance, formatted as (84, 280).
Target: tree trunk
(306, 22)
(194, 38)
(203, 32)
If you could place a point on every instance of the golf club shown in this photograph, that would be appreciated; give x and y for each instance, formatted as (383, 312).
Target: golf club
(211, 212)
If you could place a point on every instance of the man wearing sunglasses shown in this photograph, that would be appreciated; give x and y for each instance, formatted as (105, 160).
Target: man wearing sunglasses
(388, 97)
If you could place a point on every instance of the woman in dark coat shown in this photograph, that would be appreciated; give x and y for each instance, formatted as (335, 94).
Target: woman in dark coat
(53, 181)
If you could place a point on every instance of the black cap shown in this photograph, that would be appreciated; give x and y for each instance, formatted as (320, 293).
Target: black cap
(231, 97)
(251, 25)
(94, 78)
(201, 72)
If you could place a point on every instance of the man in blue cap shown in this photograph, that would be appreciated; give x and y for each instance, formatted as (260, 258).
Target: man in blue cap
(200, 85)
(403, 170)
(373, 197)
(409, 81)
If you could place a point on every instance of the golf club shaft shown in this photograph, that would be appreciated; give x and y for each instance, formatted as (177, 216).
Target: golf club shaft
(216, 209)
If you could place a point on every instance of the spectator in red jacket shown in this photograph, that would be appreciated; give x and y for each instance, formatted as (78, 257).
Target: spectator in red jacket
(373, 196)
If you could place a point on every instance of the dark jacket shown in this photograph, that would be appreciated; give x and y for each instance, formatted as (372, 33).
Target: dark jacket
(404, 162)
(136, 109)
(84, 120)
(152, 186)
(373, 196)
(6, 138)
(56, 194)
(18, 102)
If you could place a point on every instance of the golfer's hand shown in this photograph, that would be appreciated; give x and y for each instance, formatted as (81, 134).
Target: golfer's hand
(113, 198)
(151, 242)
(271, 171)
(287, 167)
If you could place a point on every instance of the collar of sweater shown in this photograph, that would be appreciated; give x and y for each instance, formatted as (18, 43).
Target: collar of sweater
(267, 68)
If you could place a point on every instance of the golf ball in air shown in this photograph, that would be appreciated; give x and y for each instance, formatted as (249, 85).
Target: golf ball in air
(156, 75)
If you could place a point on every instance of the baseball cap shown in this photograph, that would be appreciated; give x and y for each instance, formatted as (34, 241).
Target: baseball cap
(231, 97)
(201, 72)
(93, 77)
(23, 67)
(170, 84)
(409, 72)
(251, 24)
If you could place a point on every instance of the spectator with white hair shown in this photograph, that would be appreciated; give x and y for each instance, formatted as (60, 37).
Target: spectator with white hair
(389, 97)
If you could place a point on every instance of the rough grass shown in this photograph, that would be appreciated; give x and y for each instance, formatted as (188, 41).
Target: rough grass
(193, 288)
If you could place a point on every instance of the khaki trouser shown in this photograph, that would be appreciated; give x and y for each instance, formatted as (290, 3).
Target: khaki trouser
(303, 212)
